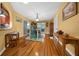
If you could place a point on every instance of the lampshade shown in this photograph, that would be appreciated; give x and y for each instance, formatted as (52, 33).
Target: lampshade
(37, 19)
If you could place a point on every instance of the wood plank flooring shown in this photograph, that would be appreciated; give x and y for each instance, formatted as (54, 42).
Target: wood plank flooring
(32, 48)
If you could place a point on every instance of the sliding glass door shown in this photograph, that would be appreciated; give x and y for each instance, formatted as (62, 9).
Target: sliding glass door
(41, 31)
(37, 31)
(33, 32)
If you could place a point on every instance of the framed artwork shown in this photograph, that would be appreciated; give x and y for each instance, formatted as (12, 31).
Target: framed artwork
(69, 10)
(5, 22)
(18, 19)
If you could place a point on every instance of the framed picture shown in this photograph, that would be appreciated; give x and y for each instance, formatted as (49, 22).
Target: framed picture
(5, 22)
(69, 10)
(18, 19)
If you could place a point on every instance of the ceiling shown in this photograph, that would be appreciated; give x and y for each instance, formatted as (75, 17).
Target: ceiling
(45, 10)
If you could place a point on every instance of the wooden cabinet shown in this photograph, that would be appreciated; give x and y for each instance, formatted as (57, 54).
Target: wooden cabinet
(11, 39)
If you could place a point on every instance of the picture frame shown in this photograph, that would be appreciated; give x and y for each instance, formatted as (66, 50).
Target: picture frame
(69, 10)
(5, 22)
(18, 19)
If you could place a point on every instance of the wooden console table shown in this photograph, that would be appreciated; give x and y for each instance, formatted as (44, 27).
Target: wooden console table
(11, 39)
(62, 40)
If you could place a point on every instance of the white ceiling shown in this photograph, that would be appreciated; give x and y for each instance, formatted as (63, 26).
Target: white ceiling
(46, 10)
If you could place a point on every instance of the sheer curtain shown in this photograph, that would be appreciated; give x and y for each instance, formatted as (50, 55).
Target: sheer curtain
(55, 24)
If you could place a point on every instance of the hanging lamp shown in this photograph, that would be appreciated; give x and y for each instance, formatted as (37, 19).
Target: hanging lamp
(37, 18)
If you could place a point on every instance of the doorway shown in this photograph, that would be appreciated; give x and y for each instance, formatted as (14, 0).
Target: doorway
(51, 28)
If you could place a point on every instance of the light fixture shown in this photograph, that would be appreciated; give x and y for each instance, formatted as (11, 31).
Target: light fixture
(37, 18)
(28, 24)
(1, 11)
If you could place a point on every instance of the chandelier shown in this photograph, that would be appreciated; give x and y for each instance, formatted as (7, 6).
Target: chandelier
(37, 16)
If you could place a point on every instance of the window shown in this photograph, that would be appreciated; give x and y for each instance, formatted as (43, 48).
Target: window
(41, 26)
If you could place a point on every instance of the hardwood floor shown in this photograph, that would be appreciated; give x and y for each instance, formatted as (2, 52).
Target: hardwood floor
(32, 48)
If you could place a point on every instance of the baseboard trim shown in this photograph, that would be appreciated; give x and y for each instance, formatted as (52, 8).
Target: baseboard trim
(2, 51)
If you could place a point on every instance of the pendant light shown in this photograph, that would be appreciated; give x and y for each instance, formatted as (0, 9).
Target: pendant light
(37, 18)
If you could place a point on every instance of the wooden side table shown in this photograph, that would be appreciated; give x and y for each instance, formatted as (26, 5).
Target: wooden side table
(11, 39)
